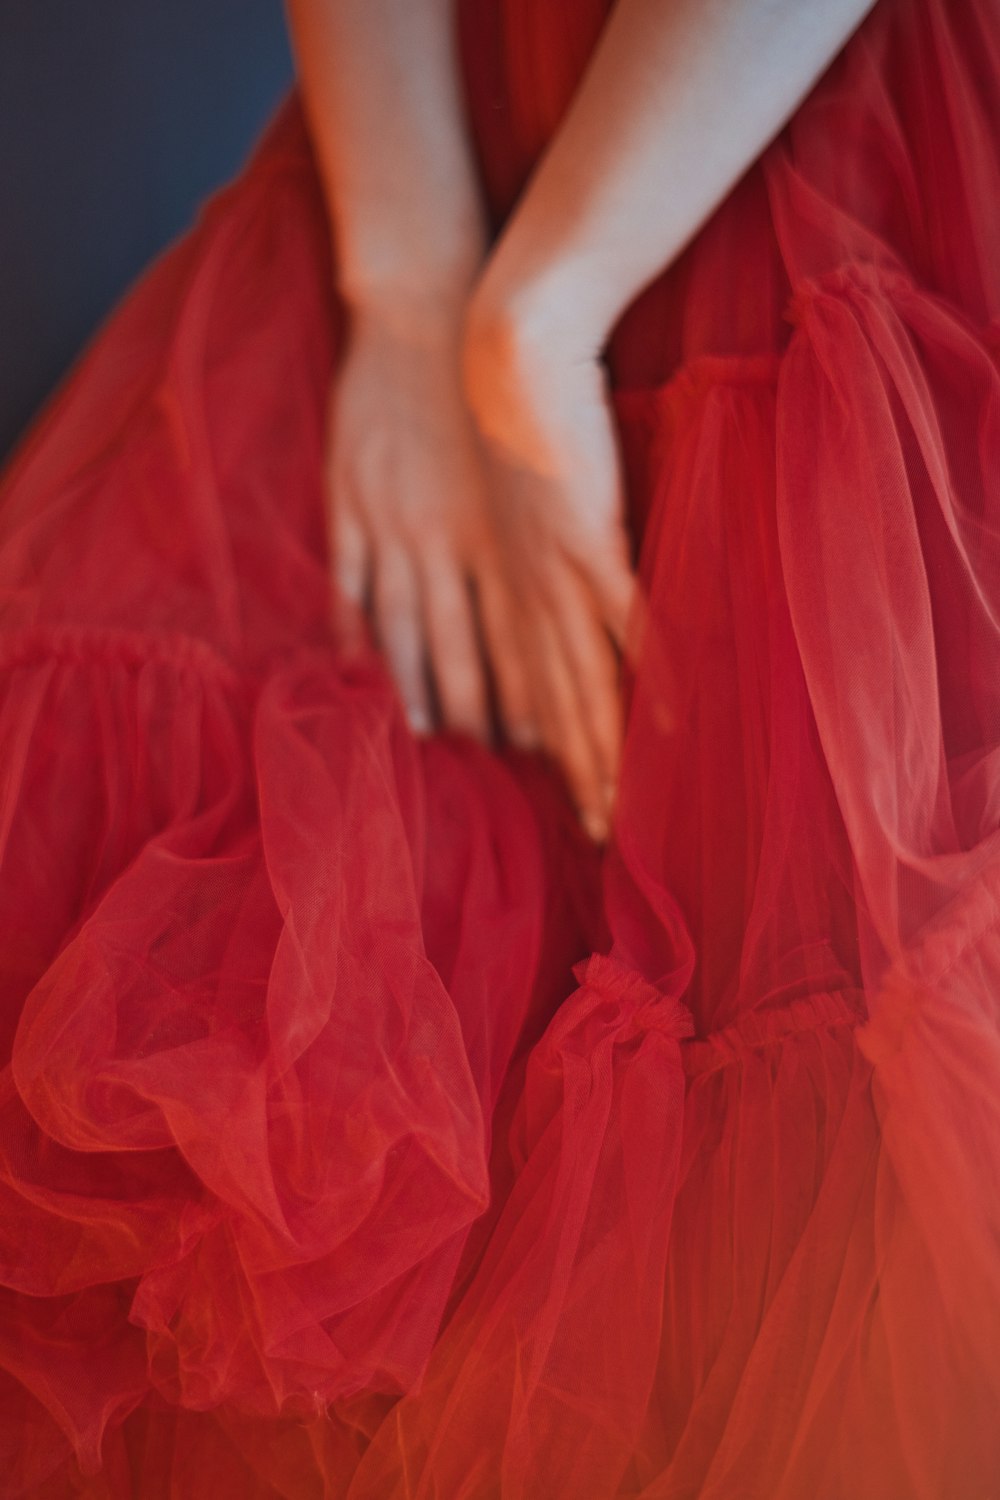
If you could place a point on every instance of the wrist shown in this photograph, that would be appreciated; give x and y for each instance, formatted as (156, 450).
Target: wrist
(414, 286)
(520, 345)
(531, 310)
(420, 310)
(527, 325)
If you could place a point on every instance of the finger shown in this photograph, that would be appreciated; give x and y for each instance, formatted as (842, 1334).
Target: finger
(605, 563)
(615, 588)
(634, 631)
(594, 663)
(563, 724)
(397, 616)
(455, 657)
(351, 575)
(505, 646)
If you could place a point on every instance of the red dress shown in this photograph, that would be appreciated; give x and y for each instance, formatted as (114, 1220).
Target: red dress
(363, 1133)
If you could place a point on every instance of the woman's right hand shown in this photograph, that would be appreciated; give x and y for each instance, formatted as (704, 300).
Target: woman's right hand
(412, 539)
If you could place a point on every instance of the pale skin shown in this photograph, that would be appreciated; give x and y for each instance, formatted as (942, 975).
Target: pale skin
(473, 479)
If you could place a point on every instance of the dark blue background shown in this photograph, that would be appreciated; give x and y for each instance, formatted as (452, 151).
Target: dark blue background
(117, 117)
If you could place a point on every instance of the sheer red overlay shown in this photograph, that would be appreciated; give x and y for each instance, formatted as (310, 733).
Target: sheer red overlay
(363, 1133)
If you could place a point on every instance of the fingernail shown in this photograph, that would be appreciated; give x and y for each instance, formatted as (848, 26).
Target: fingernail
(418, 720)
(595, 823)
(476, 730)
(525, 736)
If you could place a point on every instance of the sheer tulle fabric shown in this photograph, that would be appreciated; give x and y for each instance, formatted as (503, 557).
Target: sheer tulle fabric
(319, 1177)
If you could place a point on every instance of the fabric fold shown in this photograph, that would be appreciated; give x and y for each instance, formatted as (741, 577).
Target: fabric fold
(549, 1357)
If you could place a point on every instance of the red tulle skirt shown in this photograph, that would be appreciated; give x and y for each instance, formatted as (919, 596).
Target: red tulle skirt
(363, 1132)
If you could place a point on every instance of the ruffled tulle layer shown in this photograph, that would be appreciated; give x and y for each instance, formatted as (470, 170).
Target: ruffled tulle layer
(360, 1135)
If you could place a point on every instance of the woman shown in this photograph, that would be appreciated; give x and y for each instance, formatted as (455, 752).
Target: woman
(319, 1178)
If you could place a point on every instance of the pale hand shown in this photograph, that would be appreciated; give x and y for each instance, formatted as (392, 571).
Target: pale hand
(547, 426)
(412, 540)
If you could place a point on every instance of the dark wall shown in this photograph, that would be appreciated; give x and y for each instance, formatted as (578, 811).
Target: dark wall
(117, 117)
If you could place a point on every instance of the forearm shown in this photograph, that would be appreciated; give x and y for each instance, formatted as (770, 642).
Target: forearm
(679, 99)
(380, 85)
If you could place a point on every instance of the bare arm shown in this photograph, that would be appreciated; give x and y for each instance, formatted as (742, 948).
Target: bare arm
(679, 98)
(412, 548)
(380, 85)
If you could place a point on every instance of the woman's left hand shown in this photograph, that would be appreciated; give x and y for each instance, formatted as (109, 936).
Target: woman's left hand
(543, 410)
